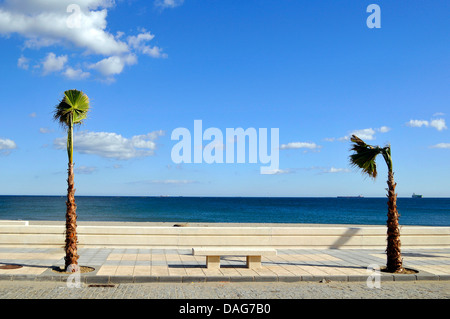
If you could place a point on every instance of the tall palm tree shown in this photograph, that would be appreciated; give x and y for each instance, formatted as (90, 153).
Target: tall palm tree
(364, 158)
(72, 110)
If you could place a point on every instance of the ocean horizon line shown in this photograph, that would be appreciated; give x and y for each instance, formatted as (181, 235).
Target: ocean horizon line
(214, 196)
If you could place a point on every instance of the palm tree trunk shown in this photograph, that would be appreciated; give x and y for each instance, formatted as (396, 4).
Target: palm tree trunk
(394, 257)
(71, 222)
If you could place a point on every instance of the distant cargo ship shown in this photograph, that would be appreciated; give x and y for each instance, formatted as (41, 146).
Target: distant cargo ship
(416, 196)
(360, 196)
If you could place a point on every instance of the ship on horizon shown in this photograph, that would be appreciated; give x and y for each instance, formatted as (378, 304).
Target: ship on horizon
(414, 195)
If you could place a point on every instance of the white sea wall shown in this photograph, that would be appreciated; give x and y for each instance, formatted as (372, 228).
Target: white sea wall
(27, 234)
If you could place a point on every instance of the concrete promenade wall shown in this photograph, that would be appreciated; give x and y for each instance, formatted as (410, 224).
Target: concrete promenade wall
(149, 235)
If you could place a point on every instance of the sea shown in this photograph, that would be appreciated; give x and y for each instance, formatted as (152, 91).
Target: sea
(304, 210)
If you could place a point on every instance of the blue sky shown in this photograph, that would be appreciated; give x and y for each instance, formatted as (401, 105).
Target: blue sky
(312, 69)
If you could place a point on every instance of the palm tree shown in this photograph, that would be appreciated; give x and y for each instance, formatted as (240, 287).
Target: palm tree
(364, 158)
(72, 110)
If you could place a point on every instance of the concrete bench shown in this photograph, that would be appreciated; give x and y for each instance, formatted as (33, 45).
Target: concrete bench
(253, 255)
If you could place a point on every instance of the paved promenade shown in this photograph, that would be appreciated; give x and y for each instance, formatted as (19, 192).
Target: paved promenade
(225, 291)
(127, 265)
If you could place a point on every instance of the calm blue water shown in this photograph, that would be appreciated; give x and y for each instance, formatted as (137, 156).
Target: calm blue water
(366, 211)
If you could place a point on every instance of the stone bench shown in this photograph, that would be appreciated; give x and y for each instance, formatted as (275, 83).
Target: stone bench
(253, 255)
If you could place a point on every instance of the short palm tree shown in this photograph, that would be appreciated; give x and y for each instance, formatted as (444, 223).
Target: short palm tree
(364, 158)
(72, 110)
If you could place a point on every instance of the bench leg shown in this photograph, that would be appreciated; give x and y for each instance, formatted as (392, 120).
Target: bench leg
(253, 262)
(213, 262)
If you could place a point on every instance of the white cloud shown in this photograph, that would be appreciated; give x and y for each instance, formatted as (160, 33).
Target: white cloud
(139, 43)
(441, 145)
(364, 134)
(53, 63)
(326, 170)
(168, 3)
(112, 145)
(367, 134)
(140, 39)
(113, 65)
(417, 123)
(278, 171)
(35, 6)
(79, 26)
(154, 52)
(23, 63)
(85, 170)
(337, 170)
(44, 130)
(45, 23)
(296, 145)
(384, 129)
(6, 145)
(109, 66)
(438, 124)
(75, 74)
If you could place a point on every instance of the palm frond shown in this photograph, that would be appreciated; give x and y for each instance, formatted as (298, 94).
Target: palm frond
(73, 107)
(387, 157)
(364, 156)
(355, 139)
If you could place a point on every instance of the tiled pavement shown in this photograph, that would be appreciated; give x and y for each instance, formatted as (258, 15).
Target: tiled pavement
(127, 265)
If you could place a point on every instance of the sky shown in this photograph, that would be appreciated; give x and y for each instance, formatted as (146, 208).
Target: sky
(318, 71)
